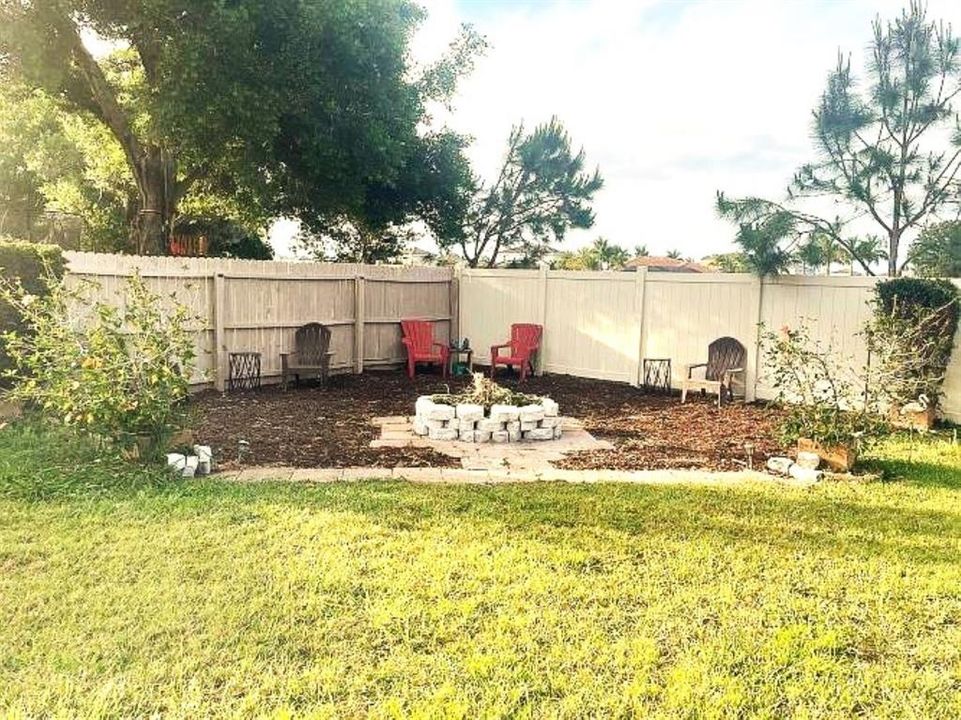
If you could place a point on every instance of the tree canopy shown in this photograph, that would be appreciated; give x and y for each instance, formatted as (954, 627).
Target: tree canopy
(730, 262)
(541, 191)
(889, 148)
(937, 251)
(301, 108)
(599, 255)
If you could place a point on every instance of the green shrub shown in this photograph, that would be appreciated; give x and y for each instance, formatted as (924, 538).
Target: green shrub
(28, 264)
(119, 372)
(820, 393)
(911, 336)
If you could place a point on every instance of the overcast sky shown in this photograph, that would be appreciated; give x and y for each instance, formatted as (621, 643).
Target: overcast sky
(672, 100)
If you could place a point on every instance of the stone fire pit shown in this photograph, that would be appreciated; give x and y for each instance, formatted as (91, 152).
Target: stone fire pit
(468, 422)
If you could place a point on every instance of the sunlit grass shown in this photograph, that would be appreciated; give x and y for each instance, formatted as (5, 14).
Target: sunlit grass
(124, 596)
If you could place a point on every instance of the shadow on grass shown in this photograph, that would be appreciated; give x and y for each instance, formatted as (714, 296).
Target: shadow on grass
(39, 462)
(754, 519)
(920, 461)
(916, 473)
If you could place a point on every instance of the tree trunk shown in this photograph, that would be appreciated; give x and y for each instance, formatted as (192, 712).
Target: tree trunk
(894, 240)
(155, 181)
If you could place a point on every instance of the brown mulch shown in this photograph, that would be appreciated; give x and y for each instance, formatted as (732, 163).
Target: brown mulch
(310, 426)
(652, 432)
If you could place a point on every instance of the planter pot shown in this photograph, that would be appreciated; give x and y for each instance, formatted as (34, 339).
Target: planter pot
(139, 448)
(840, 458)
(913, 419)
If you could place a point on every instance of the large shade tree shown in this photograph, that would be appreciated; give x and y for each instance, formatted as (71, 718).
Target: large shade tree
(58, 167)
(305, 108)
(889, 148)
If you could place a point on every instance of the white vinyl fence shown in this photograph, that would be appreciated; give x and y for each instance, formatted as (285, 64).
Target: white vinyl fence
(596, 324)
(245, 305)
(602, 324)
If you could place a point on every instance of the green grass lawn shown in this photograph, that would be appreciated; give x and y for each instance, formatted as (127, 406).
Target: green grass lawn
(123, 595)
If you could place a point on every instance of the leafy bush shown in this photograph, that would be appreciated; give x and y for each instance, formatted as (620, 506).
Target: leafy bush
(120, 372)
(821, 396)
(28, 264)
(910, 337)
(937, 251)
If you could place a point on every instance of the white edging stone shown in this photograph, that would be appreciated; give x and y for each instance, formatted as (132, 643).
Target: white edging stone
(503, 423)
(466, 411)
(443, 433)
(505, 413)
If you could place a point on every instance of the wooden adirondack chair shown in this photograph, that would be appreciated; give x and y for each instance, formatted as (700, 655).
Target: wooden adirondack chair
(525, 341)
(724, 367)
(421, 346)
(311, 354)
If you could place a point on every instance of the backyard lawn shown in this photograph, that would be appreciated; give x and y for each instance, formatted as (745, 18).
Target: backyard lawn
(121, 595)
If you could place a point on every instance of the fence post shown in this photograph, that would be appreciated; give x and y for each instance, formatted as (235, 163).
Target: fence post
(453, 304)
(220, 341)
(542, 318)
(754, 358)
(359, 295)
(640, 287)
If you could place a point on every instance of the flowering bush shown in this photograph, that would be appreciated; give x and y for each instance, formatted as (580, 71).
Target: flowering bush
(118, 372)
(824, 398)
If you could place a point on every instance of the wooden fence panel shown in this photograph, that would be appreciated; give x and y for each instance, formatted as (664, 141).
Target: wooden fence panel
(388, 300)
(257, 305)
(834, 309)
(684, 314)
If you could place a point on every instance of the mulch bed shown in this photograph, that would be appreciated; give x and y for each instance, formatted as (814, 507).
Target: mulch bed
(310, 426)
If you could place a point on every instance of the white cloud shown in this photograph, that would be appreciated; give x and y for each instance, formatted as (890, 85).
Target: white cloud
(673, 100)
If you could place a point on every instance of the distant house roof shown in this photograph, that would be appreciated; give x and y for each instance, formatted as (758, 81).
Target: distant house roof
(665, 264)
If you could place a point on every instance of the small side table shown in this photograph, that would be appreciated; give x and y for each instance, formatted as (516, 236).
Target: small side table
(657, 375)
(454, 359)
(244, 371)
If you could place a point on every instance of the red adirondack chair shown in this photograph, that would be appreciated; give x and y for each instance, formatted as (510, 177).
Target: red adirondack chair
(525, 341)
(421, 346)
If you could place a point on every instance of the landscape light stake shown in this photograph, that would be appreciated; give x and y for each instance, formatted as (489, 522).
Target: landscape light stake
(243, 449)
(749, 450)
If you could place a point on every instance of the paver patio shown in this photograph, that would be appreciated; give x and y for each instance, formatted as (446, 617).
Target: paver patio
(397, 431)
(494, 476)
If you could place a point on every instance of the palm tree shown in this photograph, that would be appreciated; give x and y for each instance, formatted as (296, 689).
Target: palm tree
(821, 251)
(674, 254)
(811, 256)
(583, 259)
(868, 250)
(641, 251)
(609, 257)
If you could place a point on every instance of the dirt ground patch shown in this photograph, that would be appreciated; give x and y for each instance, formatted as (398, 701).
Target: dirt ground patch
(331, 427)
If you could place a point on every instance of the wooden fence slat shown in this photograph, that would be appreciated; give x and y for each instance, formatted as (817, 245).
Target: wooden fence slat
(253, 305)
